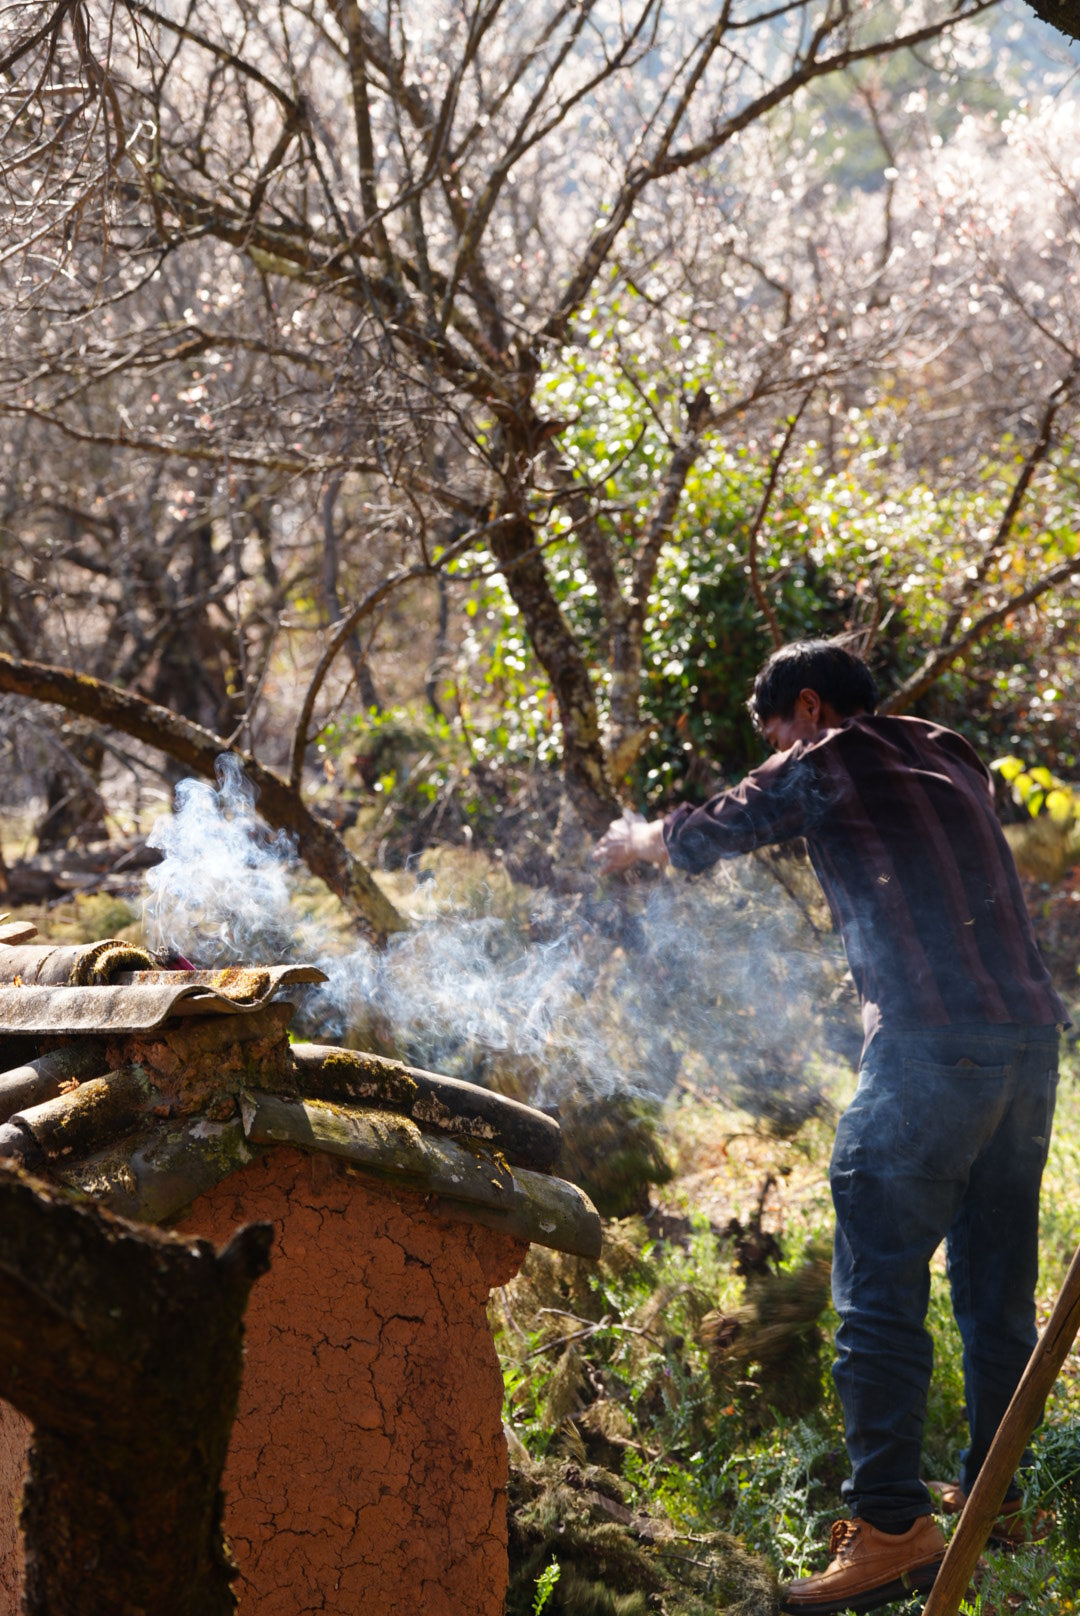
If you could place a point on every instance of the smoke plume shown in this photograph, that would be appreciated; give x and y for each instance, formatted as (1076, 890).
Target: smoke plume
(715, 981)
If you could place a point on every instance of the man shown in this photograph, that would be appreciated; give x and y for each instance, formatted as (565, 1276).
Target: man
(947, 1135)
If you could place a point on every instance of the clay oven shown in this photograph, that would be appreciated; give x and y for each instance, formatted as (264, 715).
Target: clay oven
(367, 1466)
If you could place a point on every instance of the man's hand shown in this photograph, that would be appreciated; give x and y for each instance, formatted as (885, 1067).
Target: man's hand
(630, 840)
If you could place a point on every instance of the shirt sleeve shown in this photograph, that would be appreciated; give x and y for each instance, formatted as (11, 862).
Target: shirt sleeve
(775, 803)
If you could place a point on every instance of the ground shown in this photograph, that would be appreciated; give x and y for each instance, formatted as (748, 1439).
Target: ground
(705, 1452)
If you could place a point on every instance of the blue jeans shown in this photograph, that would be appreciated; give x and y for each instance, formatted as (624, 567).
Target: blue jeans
(945, 1139)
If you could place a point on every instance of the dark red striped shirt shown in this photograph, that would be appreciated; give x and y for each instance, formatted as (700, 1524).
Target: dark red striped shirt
(900, 826)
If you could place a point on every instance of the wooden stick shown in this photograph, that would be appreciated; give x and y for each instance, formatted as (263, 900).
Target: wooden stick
(1006, 1450)
(44, 1078)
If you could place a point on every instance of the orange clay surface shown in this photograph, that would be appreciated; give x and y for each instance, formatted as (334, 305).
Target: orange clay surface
(14, 1441)
(367, 1469)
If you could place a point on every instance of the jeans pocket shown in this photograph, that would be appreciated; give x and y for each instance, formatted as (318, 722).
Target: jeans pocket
(1042, 1102)
(947, 1114)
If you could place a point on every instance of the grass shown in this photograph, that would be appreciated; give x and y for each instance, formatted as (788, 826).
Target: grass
(708, 1455)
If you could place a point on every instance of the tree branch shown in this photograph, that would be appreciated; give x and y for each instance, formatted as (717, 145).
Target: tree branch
(348, 625)
(1034, 458)
(765, 605)
(667, 162)
(348, 13)
(280, 803)
(941, 659)
(698, 418)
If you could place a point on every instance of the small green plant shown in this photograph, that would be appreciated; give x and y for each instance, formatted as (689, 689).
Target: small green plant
(545, 1586)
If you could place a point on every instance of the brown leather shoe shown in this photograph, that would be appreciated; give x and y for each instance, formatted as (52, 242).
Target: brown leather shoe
(1014, 1528)
(869, 1568)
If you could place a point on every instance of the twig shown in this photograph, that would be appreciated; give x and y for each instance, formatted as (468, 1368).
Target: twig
(1034, 458)
(345, 627)
(765, 605)
(606, 1323)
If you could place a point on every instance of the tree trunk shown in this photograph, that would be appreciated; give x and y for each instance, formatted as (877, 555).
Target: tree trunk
(513, 544)
(123, 1346)
(627, 734)
(1062, 14)
(440, 655)
(189, 672)
(74, 811)
(318, 843)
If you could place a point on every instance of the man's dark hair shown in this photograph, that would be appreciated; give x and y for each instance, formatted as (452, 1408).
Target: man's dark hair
(840, 678)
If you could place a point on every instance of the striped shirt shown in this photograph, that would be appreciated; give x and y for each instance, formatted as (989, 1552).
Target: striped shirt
(900, 826)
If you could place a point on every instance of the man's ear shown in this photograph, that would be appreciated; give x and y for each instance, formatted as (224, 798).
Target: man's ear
(809, 702)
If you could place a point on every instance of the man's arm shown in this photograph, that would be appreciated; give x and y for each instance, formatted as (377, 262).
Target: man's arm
(777, 801)
(630, 840)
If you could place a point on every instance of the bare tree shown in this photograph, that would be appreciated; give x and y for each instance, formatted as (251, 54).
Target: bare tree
(397, 219)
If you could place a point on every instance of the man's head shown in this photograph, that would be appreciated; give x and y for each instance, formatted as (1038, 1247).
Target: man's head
(807, 687)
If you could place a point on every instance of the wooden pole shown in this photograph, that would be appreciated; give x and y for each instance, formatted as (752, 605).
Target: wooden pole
(1006, 1450)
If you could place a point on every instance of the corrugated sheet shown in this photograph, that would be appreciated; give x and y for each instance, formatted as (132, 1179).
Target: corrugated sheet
(146, 1000)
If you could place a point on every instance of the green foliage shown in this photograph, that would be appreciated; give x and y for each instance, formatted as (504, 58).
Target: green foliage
(1039, 791)
(609, 1364)
(704, 637)
(613, 1563)
(1054, 1478)
(545, 1586)
(850, 538)
(412, 778)
(504, 702)
(705, 640)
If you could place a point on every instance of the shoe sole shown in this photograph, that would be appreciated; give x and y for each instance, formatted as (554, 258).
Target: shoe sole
(918, 1581)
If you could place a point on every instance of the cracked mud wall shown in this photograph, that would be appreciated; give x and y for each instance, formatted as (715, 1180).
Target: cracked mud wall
(367, 1467)
(15, 1431)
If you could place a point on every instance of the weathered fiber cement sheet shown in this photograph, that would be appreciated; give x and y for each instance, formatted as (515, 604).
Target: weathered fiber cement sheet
(146, 1001)
(57, 965)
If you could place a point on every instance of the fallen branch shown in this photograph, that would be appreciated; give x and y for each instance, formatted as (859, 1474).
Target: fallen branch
(103, 866)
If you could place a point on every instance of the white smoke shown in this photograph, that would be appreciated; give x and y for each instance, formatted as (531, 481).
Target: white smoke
(715, 978)
(222, 893)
